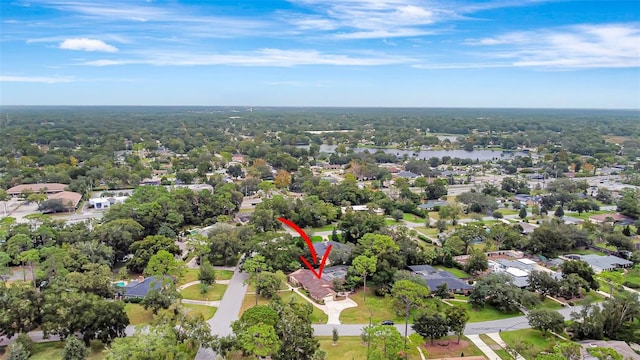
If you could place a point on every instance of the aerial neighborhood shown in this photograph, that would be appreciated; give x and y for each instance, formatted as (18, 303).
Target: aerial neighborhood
(496, 234)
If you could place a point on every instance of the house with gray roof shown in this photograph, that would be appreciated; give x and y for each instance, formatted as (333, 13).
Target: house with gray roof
(435, 277)
(321, 247)
(430, 205)
(604, 263)
(141, 287)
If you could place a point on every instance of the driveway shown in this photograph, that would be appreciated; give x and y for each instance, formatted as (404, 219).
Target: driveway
(227, 312)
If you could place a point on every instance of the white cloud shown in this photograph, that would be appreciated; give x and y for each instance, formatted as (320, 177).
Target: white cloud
(86, 44)
(262, 57)
(580, 46)
(35, 79)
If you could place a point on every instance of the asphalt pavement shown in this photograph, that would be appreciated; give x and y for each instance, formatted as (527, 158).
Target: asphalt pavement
(227, 312)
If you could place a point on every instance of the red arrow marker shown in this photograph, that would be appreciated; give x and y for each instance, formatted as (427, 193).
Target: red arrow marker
(314, 256)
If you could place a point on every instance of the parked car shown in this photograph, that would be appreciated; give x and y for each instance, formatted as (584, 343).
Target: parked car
(387, 322)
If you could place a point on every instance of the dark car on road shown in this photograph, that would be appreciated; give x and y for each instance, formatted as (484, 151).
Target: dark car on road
(387, 322)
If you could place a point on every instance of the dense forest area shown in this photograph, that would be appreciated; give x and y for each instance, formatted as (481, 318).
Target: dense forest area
(44, 144)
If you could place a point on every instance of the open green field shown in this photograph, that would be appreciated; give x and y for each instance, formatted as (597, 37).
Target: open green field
(138, 315)
(214, 293)
(529, 342)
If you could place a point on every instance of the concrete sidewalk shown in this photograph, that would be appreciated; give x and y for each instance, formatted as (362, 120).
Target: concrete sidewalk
(488, 352)
(496, 337)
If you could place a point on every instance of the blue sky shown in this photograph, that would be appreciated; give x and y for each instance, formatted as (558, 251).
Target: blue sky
(388, 53)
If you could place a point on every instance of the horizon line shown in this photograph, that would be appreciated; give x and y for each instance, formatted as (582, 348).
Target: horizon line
(254, 107)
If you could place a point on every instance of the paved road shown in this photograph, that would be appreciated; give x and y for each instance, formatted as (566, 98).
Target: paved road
(515, 323)
(227, 312)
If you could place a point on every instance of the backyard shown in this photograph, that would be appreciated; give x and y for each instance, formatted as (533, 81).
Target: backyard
(138, 315)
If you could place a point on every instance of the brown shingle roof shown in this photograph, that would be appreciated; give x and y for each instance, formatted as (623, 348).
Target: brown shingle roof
(67, 197)
(49, 188)
(317, 288)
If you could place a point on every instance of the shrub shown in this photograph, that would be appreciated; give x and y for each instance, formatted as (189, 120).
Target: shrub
(135, 300)
(26, 342)
(631, 284)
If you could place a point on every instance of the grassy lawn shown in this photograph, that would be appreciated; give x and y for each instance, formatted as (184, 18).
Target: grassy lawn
(504, 355)
(591, 297)
(206, 311)
(549, 304)
(412, 218)
(485, 314)
(347, 348)
(249, 301)
(193, 292)
(138, 315)
(224, 274)
(586, 215)
(188, 276)
(585, 252)
(379, 308)
(450, 348)
(192, 275)
(323, 228)
(427, 231)
(532, 341)
(454, 271)
(53, 350)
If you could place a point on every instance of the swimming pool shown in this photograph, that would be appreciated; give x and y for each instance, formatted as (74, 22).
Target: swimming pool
(121, 284)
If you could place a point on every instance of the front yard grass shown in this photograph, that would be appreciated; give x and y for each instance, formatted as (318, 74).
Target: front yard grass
(504, 355)
(378, 308)
(448, 347)
(347, 348)
(412, 218)
(138, 315)
(249, 301)
(329, 227)
(529, 342)
(427, 231)
(193, 292)
(192, 275)
(591, 297)
(206, 311)
(53, 350)
(485, 314)
(548, 304)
